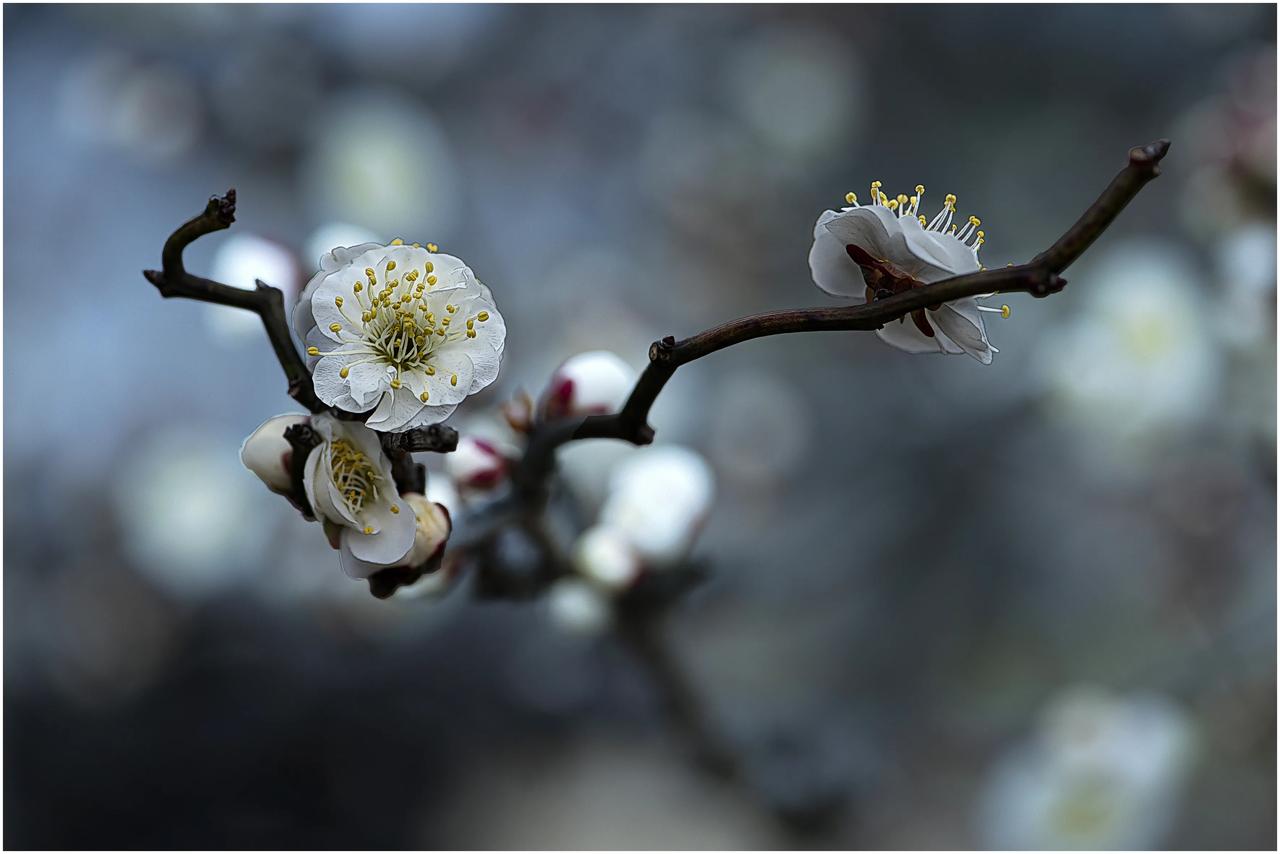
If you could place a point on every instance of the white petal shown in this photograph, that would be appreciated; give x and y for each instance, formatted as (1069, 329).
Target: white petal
(356, 392)
(832, 268)
(941, 251)
(393, 537)
(961, 322)
(396, 411)
(263, 452)
(905, 335)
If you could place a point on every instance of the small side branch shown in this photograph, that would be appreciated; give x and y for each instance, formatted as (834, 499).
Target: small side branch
(265, 301)
(1040, 277)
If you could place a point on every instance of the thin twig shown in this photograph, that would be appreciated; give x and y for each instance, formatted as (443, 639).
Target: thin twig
(1039, 277)
(265, 301)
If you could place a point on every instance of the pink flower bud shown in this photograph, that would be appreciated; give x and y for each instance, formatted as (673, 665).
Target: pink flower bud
(592, 383)
(477, 464)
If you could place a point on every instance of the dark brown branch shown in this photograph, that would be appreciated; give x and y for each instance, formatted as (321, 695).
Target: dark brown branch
(1039, 277)
(265, 301)
(436, 438)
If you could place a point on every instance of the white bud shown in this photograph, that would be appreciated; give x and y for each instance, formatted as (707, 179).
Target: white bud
(578, 606)
(658, 499)
(434, 527)
(476, 464)
(592, 383)
(263, 453)
(606, 557)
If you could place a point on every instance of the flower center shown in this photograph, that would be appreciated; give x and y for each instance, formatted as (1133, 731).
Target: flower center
(354, 474)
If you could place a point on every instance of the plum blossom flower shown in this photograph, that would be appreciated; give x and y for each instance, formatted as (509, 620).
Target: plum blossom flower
(888, 247)
(347, 479)
(266, 451)
(1102, 771)
(593, 383)
(658, 499)
(404, 331)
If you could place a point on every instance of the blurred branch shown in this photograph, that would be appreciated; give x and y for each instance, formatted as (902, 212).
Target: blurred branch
(1039, 277)
(265, 301)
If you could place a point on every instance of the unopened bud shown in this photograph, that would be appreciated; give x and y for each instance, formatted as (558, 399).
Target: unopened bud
(592, 383)
(605, 556)
(476, 464)
(266, 451)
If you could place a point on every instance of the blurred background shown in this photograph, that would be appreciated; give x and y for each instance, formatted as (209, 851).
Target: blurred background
(936, 585)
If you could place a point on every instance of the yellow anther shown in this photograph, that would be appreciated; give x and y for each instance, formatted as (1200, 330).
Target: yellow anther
(923, 221)
(335, 327)
(471, 333)
(453, 380)
(953, 228)
(417, 245)
(431, 247)
(919, 189)
(431, 372)
(915, 200)
(482, 316)
(357, 286)
(430, 266)
(431, 280)
(884, 200)
(366, 316)
(981, 234)
(902, 198)
(950, 199)
(397, 242)
(344, 373)
(370, 275)
(368, 529)
(391, 265)
(471, 324)
(313, 351)
(444, 321)
(450, 307)
(424, 397)
(337, 301)
(973, 220)
(395, 383)
(411, 276)
(875, 185)
(893, 204)
(1005, 312)
(395, 508)
(851, 198)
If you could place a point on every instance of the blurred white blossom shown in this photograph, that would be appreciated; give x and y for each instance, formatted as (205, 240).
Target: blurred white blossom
(578, 606)
(477, 464)
(1139, 358)
(887, 243)
(1101, 772)
(658, 499)
(240, 259)
(607, 558)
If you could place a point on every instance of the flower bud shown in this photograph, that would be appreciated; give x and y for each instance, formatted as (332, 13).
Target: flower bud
(592, 383)
(266, 451)
(578, 606)
(434, 527)
(606, 557)
(658, 500)
(476, 464)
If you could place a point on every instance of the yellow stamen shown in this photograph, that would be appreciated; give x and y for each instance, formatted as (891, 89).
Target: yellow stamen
(391, 265)
(482, 316)
(453, 380)
(344, 373)
(335, 327)
(851, 198)
(313, 351)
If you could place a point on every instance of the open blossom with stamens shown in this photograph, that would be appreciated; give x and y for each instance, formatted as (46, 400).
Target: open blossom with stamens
(432, 526)
(888, 247)
(347, 479)
(402, 330)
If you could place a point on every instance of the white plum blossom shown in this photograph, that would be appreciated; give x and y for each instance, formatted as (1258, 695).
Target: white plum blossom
(579, 606)
(606, 557)
(432, 526)
(401, 330)
(348, 482)
(477, 464)
(1102, 772)
(593, 383)
(658, 499)
(266, 451)
(888, 245)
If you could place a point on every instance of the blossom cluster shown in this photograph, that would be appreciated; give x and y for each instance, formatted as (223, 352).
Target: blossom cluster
(397, 336)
